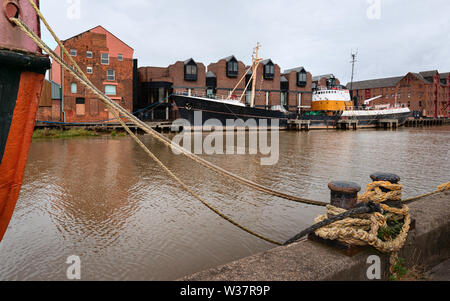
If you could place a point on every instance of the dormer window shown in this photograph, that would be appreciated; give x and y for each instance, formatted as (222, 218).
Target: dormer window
(190, 70)
(302, 78)
(269, 71)
(232, 68)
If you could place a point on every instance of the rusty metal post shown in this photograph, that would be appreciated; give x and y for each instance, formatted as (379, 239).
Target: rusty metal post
(344, 194)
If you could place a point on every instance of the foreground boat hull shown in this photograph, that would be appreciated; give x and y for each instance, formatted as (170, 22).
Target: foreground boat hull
(21, 81)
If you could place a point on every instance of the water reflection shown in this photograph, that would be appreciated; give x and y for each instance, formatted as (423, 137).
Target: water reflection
(104, 200)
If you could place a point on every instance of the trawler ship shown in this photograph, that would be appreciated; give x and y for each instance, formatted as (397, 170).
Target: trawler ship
(333, 104)
(22, 72)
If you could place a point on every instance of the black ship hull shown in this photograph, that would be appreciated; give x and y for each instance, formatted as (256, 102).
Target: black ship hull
(198, 111)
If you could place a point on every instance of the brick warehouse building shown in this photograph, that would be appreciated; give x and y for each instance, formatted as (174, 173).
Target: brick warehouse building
(155, 84)
(108, 63)
(414, 90)
(190, 77)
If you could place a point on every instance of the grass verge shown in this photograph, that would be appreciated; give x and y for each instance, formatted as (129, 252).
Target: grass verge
(61, 134)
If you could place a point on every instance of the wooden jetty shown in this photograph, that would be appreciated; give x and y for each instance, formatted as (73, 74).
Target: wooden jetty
(299, 125)
(388, 123)
(347, 124)
(427, 122)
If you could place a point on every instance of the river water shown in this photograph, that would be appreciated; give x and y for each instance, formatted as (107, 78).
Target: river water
(104, 200)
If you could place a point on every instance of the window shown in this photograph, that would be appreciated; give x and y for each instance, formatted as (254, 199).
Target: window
(302, 79)
(89, 54)
(110, 75)
(269, 71)
(110, 90)
(73, 88)
(89, 70)
(232, 69)
(420, 104)
(73, 52)
(120, 57)
(105, 59)
(284, 99)
(190, 72)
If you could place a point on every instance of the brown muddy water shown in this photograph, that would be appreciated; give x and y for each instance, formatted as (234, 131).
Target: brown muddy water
(103, 200)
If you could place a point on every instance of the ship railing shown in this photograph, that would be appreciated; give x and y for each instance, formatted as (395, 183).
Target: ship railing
(371, 108)
(205, 95)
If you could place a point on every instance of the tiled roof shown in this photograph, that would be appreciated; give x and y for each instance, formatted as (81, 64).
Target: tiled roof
(327, 76)
(375, 83)
(210, 74)
(298, 69)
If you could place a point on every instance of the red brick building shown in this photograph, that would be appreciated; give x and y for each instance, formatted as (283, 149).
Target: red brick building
(190, 77)
(224, 76)
(296, 89)
(157, 83)
(108, 63)
(414, 90)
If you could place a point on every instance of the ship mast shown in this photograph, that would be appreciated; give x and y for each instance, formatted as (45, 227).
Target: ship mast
(353, 73)
(256, 60)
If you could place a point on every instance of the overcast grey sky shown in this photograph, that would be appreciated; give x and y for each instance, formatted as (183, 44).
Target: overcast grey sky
(392, 38)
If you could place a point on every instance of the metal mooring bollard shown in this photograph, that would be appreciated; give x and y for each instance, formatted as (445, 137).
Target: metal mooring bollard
(389, 177)
(344, 194)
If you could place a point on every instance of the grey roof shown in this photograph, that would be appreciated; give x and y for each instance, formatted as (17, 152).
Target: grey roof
(283, 79)
(210, 74)
(422, 77)
(298, 69)
(430, 73)
(327, 76)
(444, 75)
(375, 83)
(229, 58)
(188, 61)
(265, 62)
